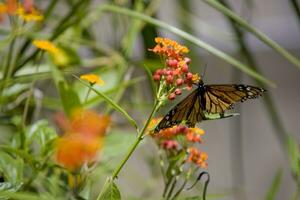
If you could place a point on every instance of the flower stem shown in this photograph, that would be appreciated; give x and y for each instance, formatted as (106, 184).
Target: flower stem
(139, 138)
(87, 95)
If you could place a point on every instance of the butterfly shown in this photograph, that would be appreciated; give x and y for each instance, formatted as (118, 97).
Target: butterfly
(211, 99)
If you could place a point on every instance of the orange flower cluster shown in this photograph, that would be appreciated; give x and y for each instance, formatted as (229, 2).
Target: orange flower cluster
(197, 157)
(180, 137)
(176, 71)
(83, 138)
(25, 11)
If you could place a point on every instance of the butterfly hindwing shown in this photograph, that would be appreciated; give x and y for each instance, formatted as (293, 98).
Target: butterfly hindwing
(219, 98)
(188, 110)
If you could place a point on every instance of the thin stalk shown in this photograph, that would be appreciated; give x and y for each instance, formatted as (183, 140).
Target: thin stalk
(246, 69)
(27, 103)
(87, 95)
(167, 186)
(260, 35)
(156, 106)
(296, 7)
(172, 187)
(180, 190)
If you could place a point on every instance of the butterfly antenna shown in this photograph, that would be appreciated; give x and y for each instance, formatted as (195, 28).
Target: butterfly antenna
(205, 67)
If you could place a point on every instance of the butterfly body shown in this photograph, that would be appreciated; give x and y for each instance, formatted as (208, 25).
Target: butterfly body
(209, 99)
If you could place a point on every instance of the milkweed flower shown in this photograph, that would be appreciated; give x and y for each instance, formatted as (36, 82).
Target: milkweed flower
(82, 140)
(175, 73)
(197, 157)
(92, 79)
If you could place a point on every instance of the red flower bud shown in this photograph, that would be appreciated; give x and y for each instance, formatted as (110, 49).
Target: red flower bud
(172, 63)
(171, 96)
(178, 91)
(187, 60)
(185, 68)
(189, 76)
(159, 72)
(156, 77)
(179, 82)
(169, 79)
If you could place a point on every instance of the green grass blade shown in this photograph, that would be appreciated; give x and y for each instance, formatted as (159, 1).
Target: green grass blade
(246, 69)
(271, 195)
(261, 36)
(110, 102)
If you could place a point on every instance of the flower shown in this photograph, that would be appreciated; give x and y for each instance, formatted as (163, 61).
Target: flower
(83, 138)
(169, 144)
(74, 151)
(92, 79)
(197, 157)
(46, 45)
(175, 74)
(30, 14)
(11, 7)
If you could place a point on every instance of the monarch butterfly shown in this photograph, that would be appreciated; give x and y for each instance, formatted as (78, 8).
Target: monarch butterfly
(210, 99)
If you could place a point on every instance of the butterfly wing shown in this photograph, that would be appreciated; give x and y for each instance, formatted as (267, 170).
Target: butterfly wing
(219, 98)
(188, 110)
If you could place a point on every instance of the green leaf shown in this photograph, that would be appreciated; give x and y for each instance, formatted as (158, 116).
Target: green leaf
(11, 168)
(69, 98)
(275, 186)
(294, 156)
(116, 143)
(111, 102)
(109, 191)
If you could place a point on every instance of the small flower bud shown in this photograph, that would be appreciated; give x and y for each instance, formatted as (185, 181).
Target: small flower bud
(189, 76)
(185, 68)
(178, 91)
(156, 77)
(187, 60)
(179, 82)
(171, 96)
(159, 72)
(172, 63)
(170, 79)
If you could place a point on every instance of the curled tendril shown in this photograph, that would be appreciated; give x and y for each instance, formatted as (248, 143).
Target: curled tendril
(205, 184)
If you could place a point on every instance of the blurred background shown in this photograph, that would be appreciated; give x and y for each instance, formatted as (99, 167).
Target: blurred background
(245, 152)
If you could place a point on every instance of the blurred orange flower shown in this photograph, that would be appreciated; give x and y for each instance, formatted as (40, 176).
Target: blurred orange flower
(197, 157)
(83, 138)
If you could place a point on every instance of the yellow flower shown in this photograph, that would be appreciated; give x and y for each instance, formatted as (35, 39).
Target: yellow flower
(197, 131)
(3, 8)
(92, 79)
(32, 15)
(46, 46)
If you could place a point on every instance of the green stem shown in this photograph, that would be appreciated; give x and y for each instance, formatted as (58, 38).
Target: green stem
(172, 188)
(296, 7)
(260, 35)
(188, 37)
(156, 106)
(87, 94)
(167, 186)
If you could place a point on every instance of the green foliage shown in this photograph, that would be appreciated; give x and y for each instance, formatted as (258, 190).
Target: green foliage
(109, 191)
(271, 195)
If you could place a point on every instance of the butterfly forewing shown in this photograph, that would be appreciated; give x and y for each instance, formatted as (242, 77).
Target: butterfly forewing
(188, 110)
